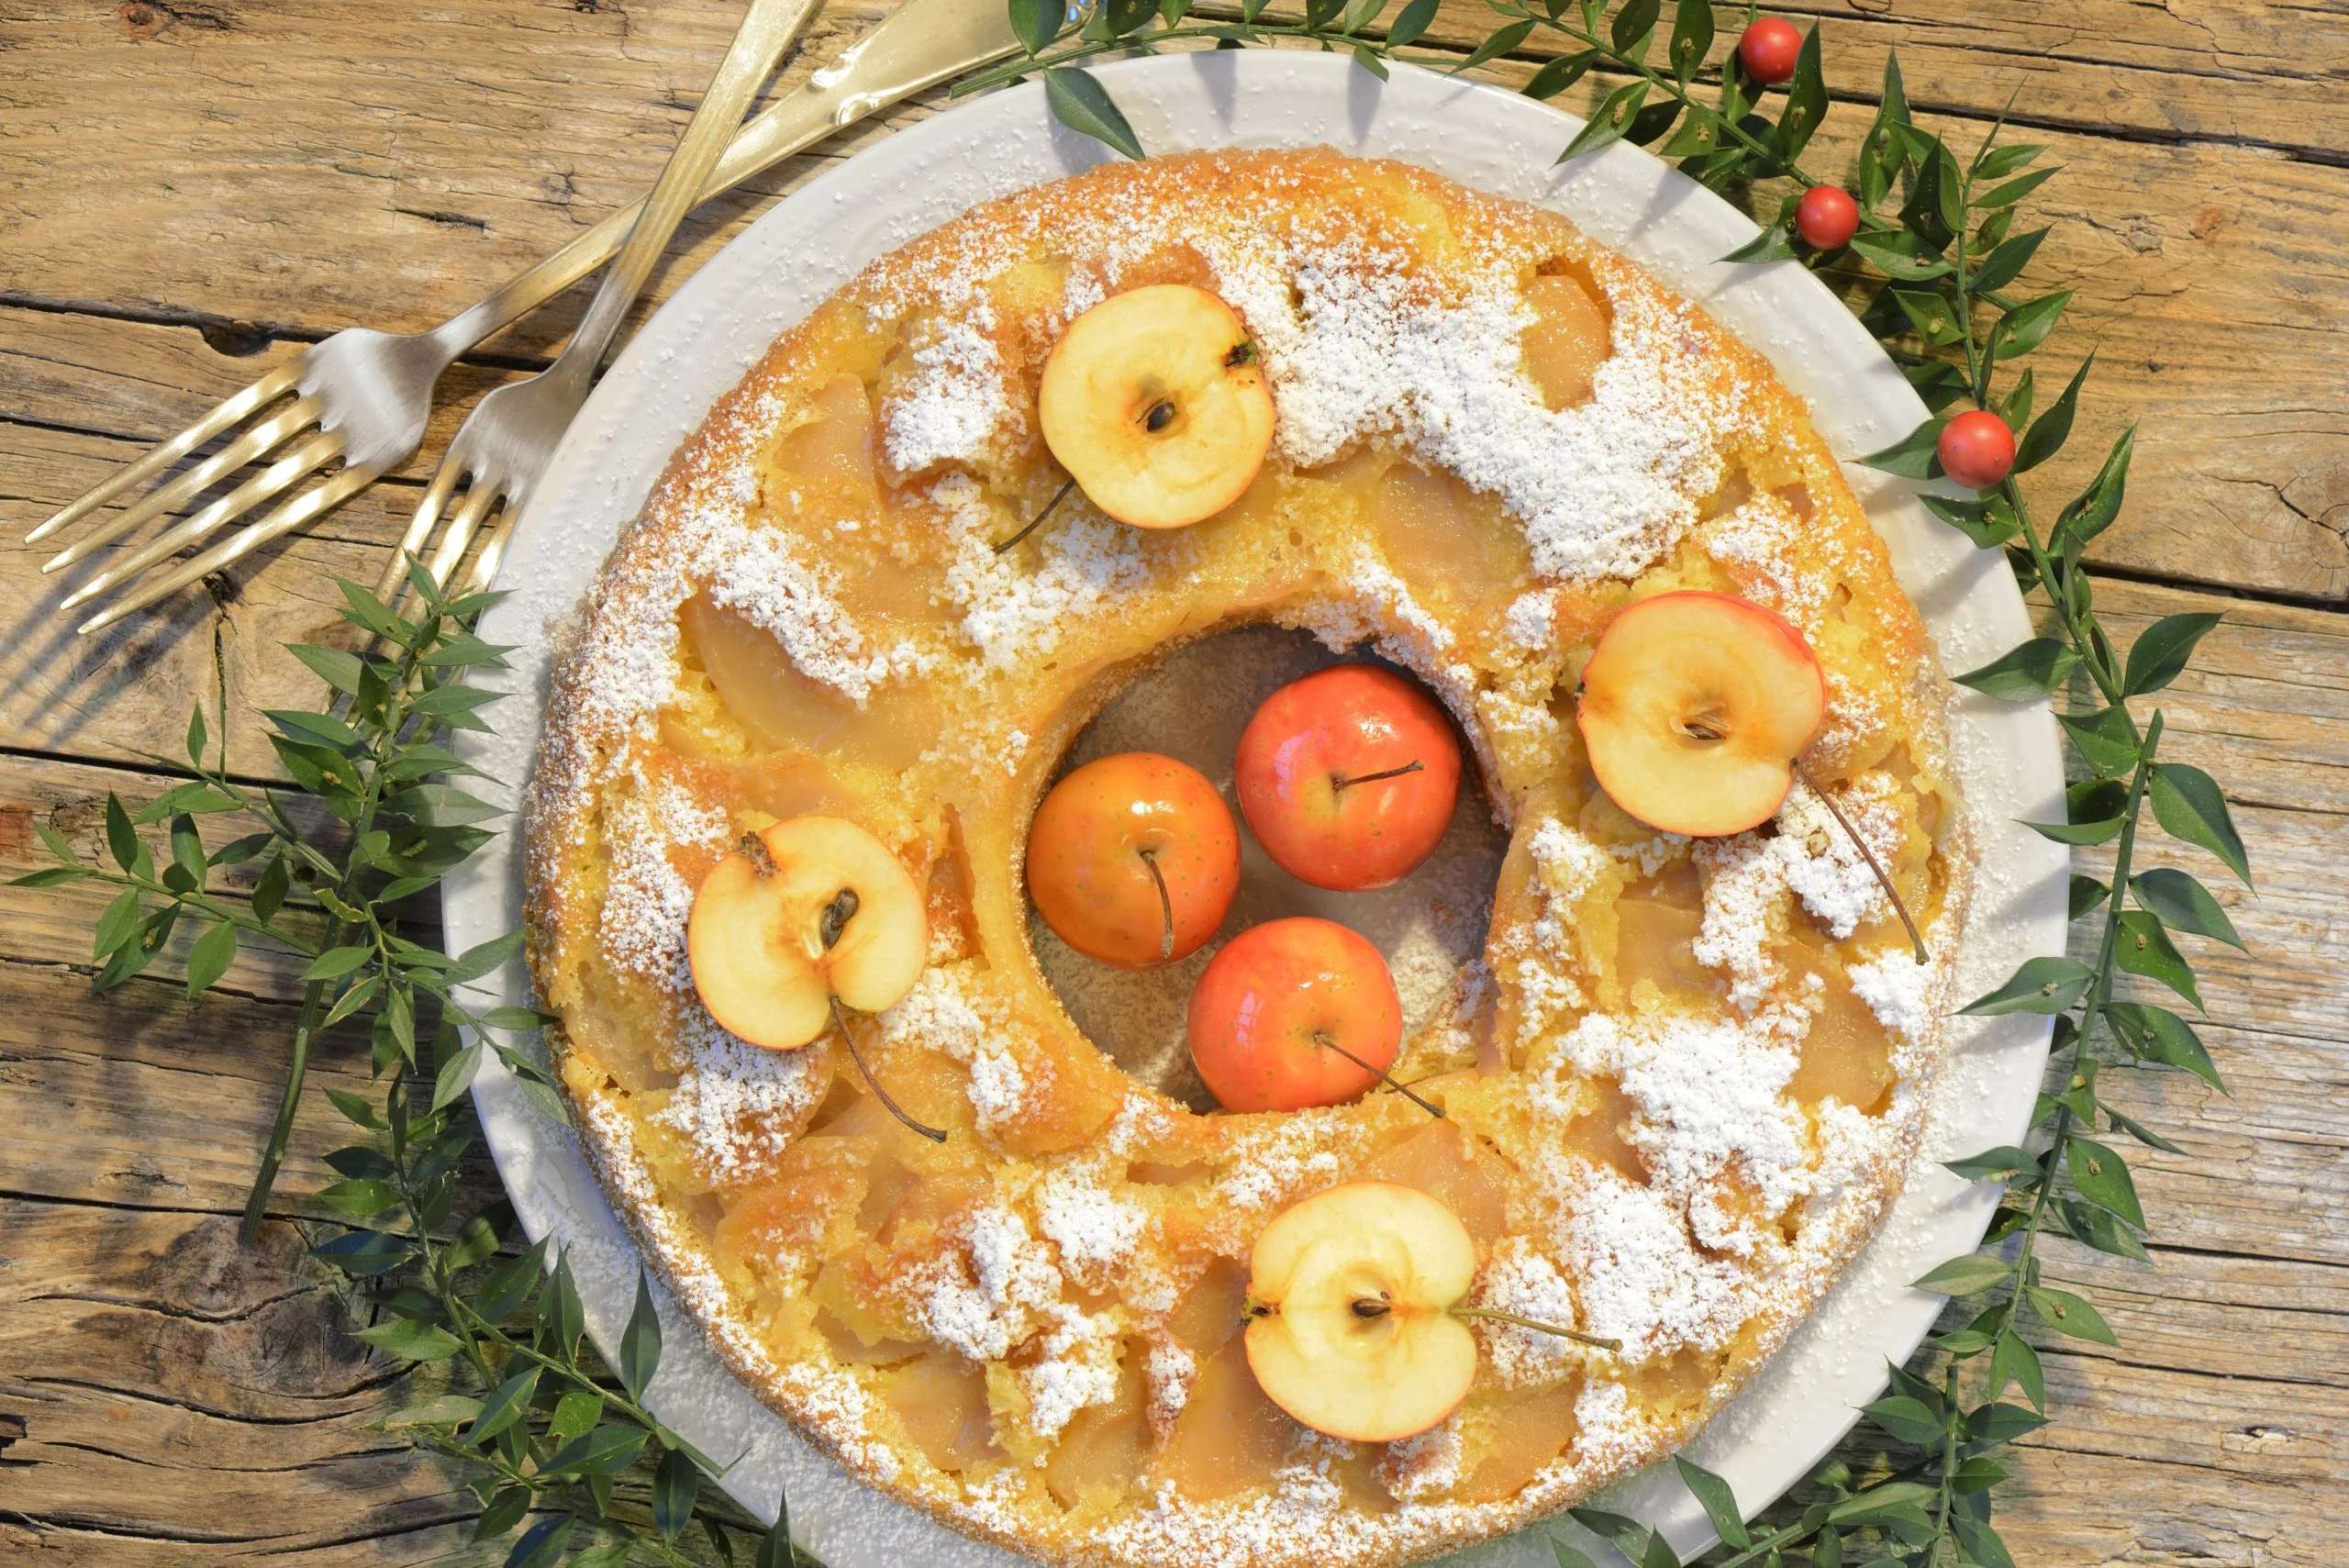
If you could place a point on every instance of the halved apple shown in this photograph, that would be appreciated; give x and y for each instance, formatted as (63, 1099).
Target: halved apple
(1350, 1299)
(1154, 403)
(1694, 707)
(804, 911)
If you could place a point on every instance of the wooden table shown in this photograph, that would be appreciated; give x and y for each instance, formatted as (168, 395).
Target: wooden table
(191, 191)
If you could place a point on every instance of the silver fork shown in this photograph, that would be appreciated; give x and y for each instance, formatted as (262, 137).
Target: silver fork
(362, 396)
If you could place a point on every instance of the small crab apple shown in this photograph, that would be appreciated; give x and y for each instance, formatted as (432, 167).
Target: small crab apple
(805, 911)
(1154, 402)
(1769, 49)
(1348, 777)
(1355, 1302)
(1294, 1013)
(1694, 707)
(1827, 217)
(1133, 860)
(1977, 448)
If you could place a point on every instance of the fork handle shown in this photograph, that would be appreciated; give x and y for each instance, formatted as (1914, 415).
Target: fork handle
(921, 44)
(767, 29)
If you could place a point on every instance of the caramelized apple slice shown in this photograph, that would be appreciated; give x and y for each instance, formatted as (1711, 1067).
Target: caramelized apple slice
(1566, 342)
(1597, 1134)
(1529, 1429)
(941, 1400)
(1210, 1311)
(1103, 1449)
(1230, 1437)
(1846, 1055)
(1441, 1160)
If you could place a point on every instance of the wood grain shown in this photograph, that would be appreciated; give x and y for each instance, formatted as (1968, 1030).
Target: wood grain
(198, 188)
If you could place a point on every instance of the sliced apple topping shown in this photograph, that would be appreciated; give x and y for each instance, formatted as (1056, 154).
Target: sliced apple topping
(1694, 707)
(1231, 1437)
(1154, 403)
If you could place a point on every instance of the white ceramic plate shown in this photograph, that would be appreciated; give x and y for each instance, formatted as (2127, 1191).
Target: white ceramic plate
(703, 340)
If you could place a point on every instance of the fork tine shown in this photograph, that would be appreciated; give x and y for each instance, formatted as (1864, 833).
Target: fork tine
(319, 498)
(311, 456)
(259, 394)
(493, 553)
(419, 527)
(479, 502)
(258, 442)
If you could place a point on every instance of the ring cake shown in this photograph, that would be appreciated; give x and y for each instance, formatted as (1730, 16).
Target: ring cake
(1679, 1088)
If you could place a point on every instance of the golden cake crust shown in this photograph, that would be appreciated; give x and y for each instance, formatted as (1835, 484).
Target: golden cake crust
(1657, 1065)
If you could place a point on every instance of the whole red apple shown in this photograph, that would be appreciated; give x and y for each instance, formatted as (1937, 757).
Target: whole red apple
(1294, 1013)
(1348, 777)
(1133, 860)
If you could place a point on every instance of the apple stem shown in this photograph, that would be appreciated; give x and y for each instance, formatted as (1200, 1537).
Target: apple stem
(1037, 521)
(1340, 782)
(1165, 907)
(1591, 1340)
(1884, 881)
(894, 1109)
(1392, 1082)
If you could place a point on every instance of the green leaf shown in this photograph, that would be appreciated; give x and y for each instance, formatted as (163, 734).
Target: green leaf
(503, 1291)
(357, 1160)
(2143, 947)
(1770, 245)
(507, 1405)
(1980, 1543)
(2183, 904)
(336, 667)
(503, 1512)
(2102, 832)
(2097, 1228)
(314, 728)
(1413, 20)
(2024, 328)
(639, 1354)
(210, 958)
(2141, 1132)
(2040, 985)
(2069, 1314)
(52, 876)
(116, 925)
(2037, 669)
(575, 1414)
(2102, 1177)
(2106, 739)
(2000, 1164)
(2162, 649)
(483, 957)
(361, 1198)
(1967, 1275)
(606, 1554)
(674, 1485)
(2092, 511)
(1627, 1536)
(361, 1253)
(350, 1001)
(122, 842)
(444, 1410)
(2006, 263)
(336, 963)
(1883, 153)
(1904, 256)
(456, 1076)
(541, 1545)
(603, 1450)
(774, 1547)
(2000, 1423)
(1036, 23)
(2012, 1360)
(1877, 1501)
(1988, 521)
(1692, 37)
(1805, 100)
(1912, 456)
(1634, 23)
(1907, 1420)
(2188, 806)
(409, 1341)
(2052, 430)
(1500, 42)
(2087, 895)
(2094, 800)
(2014, 190)
(1929, 314)
(1367, 58)
(1609, 121)
(1997, 163)
(1718, 1502)
(561, 1318)
(1557, 75)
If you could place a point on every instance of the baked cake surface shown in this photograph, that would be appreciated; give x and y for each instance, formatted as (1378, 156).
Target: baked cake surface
(1680, 1087)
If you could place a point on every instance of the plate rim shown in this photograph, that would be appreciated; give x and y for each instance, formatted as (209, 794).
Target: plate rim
(1665, 232)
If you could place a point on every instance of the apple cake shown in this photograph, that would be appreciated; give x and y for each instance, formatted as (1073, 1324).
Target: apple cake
(1680, 1086)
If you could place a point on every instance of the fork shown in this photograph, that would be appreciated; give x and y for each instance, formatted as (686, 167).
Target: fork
(362, 397)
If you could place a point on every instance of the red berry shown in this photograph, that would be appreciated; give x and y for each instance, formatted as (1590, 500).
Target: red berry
(1827, 217)
(1768, 50)
(1977, 448)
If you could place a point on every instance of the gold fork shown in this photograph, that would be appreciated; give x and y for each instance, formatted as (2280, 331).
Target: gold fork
(361, 397)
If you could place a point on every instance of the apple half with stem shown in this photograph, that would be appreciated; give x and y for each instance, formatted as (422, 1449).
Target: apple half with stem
(805, 911)
(1356, 1312)
(1155, 404)
(1694, 707)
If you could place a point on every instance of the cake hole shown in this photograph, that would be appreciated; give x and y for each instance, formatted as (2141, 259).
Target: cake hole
(1193, 706)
